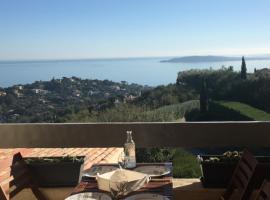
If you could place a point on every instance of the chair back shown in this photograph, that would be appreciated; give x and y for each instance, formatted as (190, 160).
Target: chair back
(3, 196)
(20, 178)
(264, 192)
(241, 177)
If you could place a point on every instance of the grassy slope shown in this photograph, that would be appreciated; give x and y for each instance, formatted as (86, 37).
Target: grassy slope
(244, 109)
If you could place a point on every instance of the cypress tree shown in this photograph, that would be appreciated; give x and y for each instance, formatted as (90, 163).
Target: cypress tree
(243, 69)
(204, 97)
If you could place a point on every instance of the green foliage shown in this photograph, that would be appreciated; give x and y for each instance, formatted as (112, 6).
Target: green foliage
(67, 158)
(154, 154)
(132, 113)
(204, 97)
(243, 69)
(122, 113)
(165, 95)
(225, 84)
(219, 82)
(228, 156)
(185, 165)
(10, 99)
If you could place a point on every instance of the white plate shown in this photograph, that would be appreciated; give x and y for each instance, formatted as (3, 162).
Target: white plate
(147, 196)
(89, 196)
(153, 170)
(92, 172)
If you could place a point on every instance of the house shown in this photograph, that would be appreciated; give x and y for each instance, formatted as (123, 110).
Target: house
(130, 97)
(115, 87)
(3, 93)
(116, 101)
(19, 87)
(107, 94)
(76, 93)
(40, 91)
(18, 93)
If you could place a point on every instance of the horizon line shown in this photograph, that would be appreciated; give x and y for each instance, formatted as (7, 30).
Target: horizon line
(118, 58)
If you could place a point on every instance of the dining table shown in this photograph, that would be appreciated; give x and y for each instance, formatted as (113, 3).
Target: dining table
(160, 186)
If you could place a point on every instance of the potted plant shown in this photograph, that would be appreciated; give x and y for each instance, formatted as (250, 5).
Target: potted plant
(218, 169)
(56, 171)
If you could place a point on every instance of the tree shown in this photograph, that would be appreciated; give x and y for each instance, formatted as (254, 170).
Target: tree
(10, 99)
(204, 97)
(243, 69)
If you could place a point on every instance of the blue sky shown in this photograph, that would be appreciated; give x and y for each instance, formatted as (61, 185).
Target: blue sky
(52, 29)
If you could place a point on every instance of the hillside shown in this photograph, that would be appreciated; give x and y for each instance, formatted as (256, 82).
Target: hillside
(51, 101)
(194, 59)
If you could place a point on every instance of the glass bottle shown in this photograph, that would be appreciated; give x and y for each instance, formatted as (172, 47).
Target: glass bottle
(129, 150)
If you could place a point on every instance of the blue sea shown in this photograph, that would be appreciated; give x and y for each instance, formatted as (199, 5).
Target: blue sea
(145, 71)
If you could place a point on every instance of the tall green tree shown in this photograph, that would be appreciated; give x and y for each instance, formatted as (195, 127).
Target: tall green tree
(204, 97)
(243, 69)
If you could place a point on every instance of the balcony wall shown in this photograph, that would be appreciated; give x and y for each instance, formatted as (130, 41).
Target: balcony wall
(214, 134)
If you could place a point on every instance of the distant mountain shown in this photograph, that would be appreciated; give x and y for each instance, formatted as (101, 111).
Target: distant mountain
(193, 59)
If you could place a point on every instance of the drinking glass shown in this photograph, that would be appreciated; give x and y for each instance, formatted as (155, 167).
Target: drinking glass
(121, 160)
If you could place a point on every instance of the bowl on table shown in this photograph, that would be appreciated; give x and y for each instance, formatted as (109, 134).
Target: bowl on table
(154, 170)
(89, 196)
(98, 169)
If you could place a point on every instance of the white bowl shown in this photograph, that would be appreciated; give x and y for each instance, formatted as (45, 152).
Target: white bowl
(122, 181)
(89, 196)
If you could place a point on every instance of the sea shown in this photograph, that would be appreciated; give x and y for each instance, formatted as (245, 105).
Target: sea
(144, 71)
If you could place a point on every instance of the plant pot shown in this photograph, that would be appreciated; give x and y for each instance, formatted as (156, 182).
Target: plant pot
(56, 174)
(218, 174)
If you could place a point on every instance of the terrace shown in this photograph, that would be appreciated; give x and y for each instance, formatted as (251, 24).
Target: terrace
(111, 135)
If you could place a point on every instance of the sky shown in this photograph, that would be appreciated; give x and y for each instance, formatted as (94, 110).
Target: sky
(75, 29)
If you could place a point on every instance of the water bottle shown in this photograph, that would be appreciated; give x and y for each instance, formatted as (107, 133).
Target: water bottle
(129, 150)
